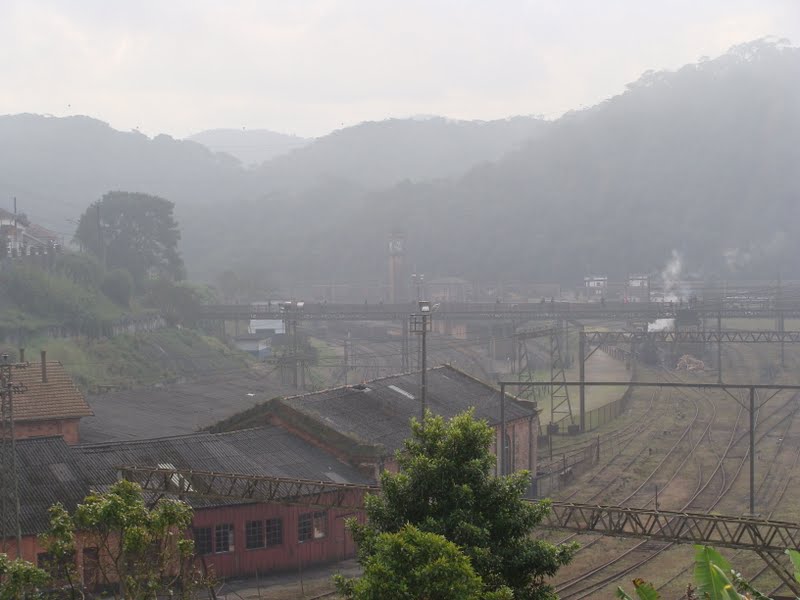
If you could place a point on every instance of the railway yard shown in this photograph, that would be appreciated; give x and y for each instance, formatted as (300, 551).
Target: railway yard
(678, 449)
(681, 449)
(692, 447)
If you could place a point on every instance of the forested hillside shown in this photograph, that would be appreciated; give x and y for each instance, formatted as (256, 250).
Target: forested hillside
(702, 161)
(381, 153)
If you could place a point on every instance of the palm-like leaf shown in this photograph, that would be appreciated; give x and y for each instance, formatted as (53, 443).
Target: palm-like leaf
(711, 573)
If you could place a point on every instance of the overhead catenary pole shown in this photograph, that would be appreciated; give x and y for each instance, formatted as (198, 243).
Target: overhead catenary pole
(502, 445)
(424, 384)
(295, 352)
(779, 322)
(719, 346)
(405, 367)
(16, 240)
(420, 322)
(346, 356)
(752, 450)
(582, 378)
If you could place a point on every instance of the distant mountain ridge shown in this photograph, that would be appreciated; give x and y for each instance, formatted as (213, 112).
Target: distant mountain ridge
(702, 160)
(250, 146)
(377, 154)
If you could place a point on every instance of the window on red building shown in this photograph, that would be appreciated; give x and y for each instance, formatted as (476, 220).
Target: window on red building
(254, 534)
(202, 540)
(320, 524)
(274, 532)
(223, 538)
(91, 567)
(312, 526)
(57, 570)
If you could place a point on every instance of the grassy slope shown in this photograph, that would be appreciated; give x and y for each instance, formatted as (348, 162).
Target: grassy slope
(128, 361)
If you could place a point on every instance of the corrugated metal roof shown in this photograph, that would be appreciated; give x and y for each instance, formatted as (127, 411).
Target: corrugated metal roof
(266, 450)
(50, 471)
(175, 409)
(380, 414)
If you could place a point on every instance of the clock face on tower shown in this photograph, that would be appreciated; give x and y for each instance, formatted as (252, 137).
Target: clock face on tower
(396, 246)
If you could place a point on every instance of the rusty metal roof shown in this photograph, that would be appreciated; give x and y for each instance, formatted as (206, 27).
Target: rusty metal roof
(58, 398)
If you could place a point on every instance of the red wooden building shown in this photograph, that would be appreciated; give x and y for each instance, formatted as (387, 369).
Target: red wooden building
(366, 424)
(232, 538)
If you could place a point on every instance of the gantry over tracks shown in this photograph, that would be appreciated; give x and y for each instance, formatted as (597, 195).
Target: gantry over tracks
(767, 538)
(547, 311)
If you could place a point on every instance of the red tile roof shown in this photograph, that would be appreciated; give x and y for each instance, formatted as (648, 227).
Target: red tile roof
(59, 398)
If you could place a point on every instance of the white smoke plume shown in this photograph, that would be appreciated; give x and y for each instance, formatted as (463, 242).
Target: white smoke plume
(661, 325)
(771, 251)
(671, 277)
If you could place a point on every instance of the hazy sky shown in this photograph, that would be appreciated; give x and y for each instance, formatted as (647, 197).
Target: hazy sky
(310, 66)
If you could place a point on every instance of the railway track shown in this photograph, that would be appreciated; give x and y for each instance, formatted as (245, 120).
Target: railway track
(588, 581)
(707, 494)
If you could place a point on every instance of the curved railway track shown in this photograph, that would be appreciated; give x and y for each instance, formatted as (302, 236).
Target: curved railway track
(705, 496)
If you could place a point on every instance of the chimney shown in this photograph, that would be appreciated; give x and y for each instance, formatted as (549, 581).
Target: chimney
(44, 366)
(22, 355)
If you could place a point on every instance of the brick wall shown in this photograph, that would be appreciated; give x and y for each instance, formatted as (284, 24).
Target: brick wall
(522, 436)
(68, 428)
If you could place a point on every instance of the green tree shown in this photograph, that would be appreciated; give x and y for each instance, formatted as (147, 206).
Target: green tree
(136, 232)
(177, 302)
(445, 487)
(118, 285)
(142, 551)
(414, 565)
(20, 579)
(83, 269)
(59, 543)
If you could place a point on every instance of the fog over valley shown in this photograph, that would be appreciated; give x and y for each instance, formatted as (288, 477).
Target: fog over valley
(420, 300)
(700, 160)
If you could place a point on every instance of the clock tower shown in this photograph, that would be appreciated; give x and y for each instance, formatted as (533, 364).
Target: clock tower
(397, 279)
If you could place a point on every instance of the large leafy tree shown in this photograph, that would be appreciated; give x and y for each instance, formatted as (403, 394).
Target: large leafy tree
(414, 565)
(142, 551)
(445, 487)
(136, 232)
(20, 579)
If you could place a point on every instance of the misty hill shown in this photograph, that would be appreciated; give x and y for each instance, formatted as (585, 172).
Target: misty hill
(381, 153)
(251, 146)
(57, 166)
(703, 160)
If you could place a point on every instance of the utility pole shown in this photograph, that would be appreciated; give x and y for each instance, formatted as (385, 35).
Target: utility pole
(9, 490)
(420, 324)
